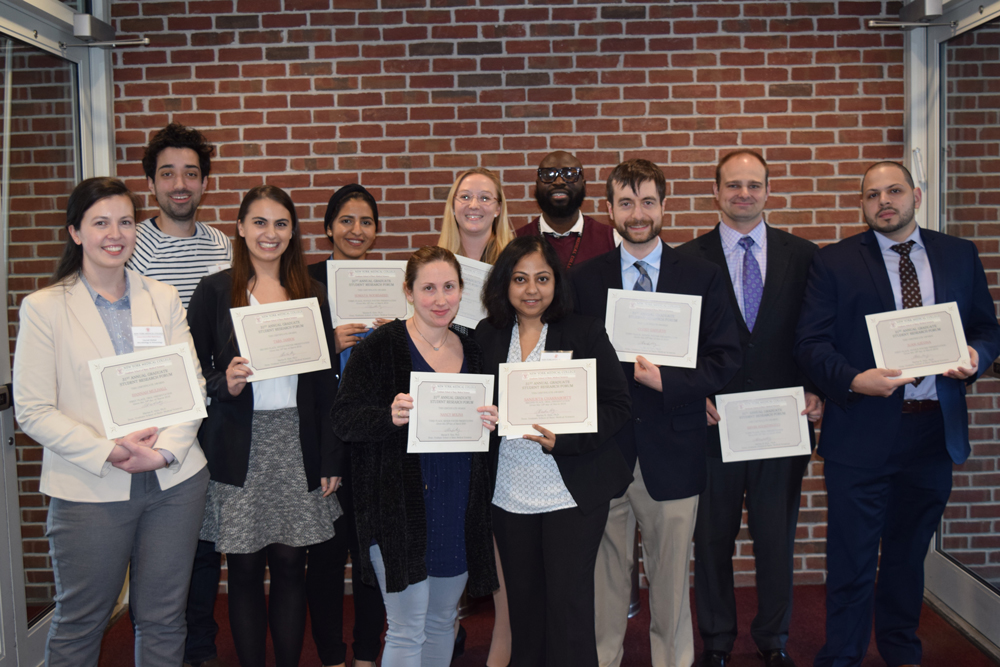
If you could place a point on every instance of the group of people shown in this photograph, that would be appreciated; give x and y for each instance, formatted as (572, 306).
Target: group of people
(291, 475)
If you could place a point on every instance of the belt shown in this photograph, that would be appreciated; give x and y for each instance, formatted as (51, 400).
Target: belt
(913, 407)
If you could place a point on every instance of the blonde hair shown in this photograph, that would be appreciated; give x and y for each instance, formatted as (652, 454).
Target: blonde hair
(502, 234)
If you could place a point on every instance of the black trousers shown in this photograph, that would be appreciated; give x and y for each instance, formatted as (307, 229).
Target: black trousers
(548, 562)
(772, 488)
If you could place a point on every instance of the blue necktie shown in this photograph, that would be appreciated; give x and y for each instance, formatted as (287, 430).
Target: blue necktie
(643, 284)
(753, 285)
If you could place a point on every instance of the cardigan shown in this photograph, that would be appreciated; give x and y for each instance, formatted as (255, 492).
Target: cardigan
(388, 487)
(591, 464)
(225, 435)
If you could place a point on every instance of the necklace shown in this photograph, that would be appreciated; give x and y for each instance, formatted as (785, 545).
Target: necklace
(437, 348)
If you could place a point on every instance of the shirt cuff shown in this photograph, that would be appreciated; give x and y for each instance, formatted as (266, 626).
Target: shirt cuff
(170, 458)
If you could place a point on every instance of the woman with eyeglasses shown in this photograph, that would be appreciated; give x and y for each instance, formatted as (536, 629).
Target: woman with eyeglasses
(475, 221)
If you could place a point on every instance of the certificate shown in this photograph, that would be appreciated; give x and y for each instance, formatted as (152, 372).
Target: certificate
(474, 274)
(559, 395)
(283, 338)
(919, 341)
(661, 327)
(763, 424)
(362, 291)
(155, 387)
(445, 415)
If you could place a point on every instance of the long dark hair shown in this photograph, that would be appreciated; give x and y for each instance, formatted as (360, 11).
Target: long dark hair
(85, 195)
(292, 271)
(499, 311)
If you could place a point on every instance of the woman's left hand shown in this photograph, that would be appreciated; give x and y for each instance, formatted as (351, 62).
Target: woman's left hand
(141, 458)
(547, 439)
(490, 416)
(329, 485)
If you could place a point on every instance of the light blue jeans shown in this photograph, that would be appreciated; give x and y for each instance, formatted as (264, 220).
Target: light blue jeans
(421, 619)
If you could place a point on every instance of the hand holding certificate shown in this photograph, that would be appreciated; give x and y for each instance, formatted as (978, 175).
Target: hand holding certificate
(661, 327)
(282, 338)
(363, 291)
(919, 341)
(559, 395)
(155, 387)
(449, 412)
(763, 424)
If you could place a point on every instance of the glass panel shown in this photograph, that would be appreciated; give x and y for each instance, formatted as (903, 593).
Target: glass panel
(971, 209)
(43, 169)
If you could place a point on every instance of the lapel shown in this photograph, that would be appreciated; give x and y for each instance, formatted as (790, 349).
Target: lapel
(553, 339)
(937, 261)
(711, 248)
(82, 307)
(668, 261)
(611, 269)
(871, 253)
(778, 258)
(143, 311)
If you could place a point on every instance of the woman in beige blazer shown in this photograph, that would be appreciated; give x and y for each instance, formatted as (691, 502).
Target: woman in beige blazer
(137, 500)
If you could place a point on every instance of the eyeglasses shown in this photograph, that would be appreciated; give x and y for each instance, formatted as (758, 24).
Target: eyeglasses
(550, 174)
(485, 200)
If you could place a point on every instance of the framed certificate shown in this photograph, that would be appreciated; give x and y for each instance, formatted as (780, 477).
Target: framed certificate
(919, 341)
(559, 395)
(155, 387)
(362, 291)
(763, 424)
(661, 327)
(445, 416)
(471, 310)
(279, 339)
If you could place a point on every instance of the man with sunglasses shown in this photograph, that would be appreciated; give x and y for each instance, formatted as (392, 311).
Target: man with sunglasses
(560, 189)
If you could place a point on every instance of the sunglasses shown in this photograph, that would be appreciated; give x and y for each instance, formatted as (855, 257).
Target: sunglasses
(568, 174)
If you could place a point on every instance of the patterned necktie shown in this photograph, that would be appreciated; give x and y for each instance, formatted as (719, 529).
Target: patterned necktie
(643, 284)
(753, 285)
(909, 284)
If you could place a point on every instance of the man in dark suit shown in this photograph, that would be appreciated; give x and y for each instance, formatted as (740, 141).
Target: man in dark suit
(664, 442)
(888, 441)
(767, 269)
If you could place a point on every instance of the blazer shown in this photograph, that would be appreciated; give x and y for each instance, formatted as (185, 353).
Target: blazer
(668, 430)
(54, 400)
(767, 352)
(591, 464)
(226, 432)
(847, 281)
(388, 482)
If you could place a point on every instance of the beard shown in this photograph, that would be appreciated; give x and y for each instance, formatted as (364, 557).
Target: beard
(636, 237)
(557, 211)
(178, 212)
(905, 218)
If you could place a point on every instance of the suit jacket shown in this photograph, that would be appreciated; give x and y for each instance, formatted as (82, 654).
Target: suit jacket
(667, 431)
(849, 280)
(591, 464)
(317, 272)
(767, 352)
(60, 331)
(226, 432)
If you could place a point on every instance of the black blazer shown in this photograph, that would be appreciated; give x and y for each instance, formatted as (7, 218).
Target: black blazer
(767, 352)
(591, 464)
(317, 272)
(667, 431)
(225, 434)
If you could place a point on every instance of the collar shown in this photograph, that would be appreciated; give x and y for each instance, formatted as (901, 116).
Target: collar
(577, 228)
(730, 237)
(100, 301)
(885, 243)
(652, 259)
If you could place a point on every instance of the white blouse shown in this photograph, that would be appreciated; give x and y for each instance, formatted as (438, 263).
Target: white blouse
(275, 394)
(528, 479)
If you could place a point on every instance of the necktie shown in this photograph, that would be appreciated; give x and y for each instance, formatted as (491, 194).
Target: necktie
(643, 284)
(753, 285)
(909, 284)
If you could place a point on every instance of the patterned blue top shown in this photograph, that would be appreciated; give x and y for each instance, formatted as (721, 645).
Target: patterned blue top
(117, 317)
(446, 497)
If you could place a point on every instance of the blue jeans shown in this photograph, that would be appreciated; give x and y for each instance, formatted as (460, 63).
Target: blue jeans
(421, 619)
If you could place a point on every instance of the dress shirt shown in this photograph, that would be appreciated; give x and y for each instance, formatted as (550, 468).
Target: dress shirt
(630, 274)
(927, 390)
(734, 255)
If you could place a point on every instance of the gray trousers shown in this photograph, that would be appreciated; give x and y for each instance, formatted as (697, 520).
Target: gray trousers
(92, 546)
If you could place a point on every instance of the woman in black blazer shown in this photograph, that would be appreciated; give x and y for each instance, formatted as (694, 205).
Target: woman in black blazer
(270, 446)
(551, 493)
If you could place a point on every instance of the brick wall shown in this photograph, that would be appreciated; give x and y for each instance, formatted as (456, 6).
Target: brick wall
(400, 95)
(972, 520)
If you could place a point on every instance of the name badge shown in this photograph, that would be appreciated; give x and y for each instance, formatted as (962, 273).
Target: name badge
(215, 268)
(557, 355)
(148, 337)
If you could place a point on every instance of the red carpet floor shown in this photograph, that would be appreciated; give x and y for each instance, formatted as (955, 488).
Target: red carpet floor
(943, 645)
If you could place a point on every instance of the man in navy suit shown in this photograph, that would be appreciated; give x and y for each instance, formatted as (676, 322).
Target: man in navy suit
(888, 441)
(664, 442)
(767, 270)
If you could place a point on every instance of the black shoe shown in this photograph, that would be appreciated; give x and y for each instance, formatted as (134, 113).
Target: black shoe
(714, 659)
(776, 658)
(459, 643)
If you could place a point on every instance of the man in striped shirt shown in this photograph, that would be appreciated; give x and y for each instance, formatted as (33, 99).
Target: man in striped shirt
(173, 248)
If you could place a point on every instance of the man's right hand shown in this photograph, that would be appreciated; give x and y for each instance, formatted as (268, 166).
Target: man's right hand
(878, 382)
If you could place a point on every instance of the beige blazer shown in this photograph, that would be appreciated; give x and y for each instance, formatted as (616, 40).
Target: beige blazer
(54, 401)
